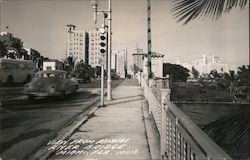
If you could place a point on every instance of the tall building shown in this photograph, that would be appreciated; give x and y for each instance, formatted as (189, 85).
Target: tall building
(119, 61)
(138, 58)
(206, 64)
(113, 60)
(94, 48)
(77, 44)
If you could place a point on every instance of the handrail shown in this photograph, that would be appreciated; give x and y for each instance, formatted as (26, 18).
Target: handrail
(208, 147)
(180, 137)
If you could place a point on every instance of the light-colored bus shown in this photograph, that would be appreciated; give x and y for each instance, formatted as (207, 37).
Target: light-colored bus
(16, 71)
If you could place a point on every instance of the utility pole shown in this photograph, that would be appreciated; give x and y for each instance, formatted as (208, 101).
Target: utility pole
(1, 1)
(108, 12)
(149, 37)
(109, 94)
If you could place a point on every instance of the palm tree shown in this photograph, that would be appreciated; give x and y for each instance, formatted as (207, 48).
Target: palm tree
(231, 79)
(187, 10)
(244, 74)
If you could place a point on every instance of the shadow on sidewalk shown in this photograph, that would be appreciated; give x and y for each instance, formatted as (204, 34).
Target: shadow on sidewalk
(123, 102)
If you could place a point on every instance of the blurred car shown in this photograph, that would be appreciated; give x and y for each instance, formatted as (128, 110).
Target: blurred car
(50, 83)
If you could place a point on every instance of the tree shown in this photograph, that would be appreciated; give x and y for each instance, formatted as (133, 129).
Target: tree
(243, 75)
(98, 70)
(215, 77)
(135, 69)
(177, 72)
(195, 73)
(83, 71)
(229, 81)
(3, 49)
(18, 46)
(188, 10)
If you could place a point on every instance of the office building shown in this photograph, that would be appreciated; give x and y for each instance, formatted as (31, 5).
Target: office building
(138, 58)
(206, 64)
(94, 48)
(77, 44)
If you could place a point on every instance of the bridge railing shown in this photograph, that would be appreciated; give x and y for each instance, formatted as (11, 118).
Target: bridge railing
(180, 138)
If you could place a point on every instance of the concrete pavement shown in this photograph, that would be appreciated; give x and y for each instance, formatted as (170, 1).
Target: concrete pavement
(114, 132)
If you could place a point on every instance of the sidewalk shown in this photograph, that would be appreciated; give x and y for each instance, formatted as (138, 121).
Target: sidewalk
(115, 132)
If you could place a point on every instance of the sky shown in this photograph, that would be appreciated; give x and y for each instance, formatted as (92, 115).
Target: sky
(41, 24)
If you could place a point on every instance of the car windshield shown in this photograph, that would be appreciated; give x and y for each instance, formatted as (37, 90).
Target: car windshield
(45, 75)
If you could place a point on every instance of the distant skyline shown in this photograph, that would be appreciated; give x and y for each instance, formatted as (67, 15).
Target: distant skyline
(41, 24)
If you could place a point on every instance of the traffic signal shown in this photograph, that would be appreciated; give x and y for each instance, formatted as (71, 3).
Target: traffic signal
(103, 41)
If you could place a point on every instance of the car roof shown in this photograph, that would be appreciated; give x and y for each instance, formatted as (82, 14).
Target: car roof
(52, 71)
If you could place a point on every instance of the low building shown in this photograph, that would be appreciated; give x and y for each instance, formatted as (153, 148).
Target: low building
(157, 64)
(52, 65)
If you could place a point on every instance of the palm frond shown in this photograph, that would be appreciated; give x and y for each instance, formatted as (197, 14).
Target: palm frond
(187, 10)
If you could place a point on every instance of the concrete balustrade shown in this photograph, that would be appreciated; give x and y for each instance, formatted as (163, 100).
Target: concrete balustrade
(180, 138)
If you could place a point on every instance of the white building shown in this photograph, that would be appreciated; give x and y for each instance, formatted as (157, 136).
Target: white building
(94, 48)
(52, 65)
(119, 60)
(77, 44)
(206, 64)
(113, 60)
(157, 64)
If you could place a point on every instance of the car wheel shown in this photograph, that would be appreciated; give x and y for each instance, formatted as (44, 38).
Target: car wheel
(62, 96)
(32, 97)
(10, 80)
(28, 79)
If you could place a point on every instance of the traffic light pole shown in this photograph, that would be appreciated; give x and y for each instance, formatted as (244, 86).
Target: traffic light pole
(109, 94)
(102, 86)
(102, 69)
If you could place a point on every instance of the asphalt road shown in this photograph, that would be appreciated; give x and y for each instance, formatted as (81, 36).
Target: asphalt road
(26, 126)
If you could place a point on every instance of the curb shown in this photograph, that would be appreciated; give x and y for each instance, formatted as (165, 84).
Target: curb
(43, 153)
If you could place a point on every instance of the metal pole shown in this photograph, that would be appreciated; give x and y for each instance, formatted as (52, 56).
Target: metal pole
(102, 70)
(102, 86)
(109, 94)
(1, 1)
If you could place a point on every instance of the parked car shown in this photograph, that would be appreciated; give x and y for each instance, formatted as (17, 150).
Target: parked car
(50, 83)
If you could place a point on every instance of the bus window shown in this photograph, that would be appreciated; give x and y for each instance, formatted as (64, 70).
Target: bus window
(8, 66)
(21, 66)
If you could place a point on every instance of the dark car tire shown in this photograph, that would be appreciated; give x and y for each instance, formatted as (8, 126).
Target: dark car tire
(31, 98)
(62, 96)
(10, 80)
(28, 79)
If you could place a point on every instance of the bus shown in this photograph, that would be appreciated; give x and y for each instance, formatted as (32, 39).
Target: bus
(16, 71)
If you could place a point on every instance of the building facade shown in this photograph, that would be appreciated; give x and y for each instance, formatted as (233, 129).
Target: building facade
(157, 64)
(32, 54)
(77, 45)
(113, 60)
(12, 43)
(121, 61)
(94, 48)
(138, 58)
(206, 64)
(52, 65)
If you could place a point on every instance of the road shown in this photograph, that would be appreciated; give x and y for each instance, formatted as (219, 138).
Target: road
(26, 126)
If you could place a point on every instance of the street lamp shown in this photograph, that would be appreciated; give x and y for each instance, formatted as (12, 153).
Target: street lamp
(95, 10)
